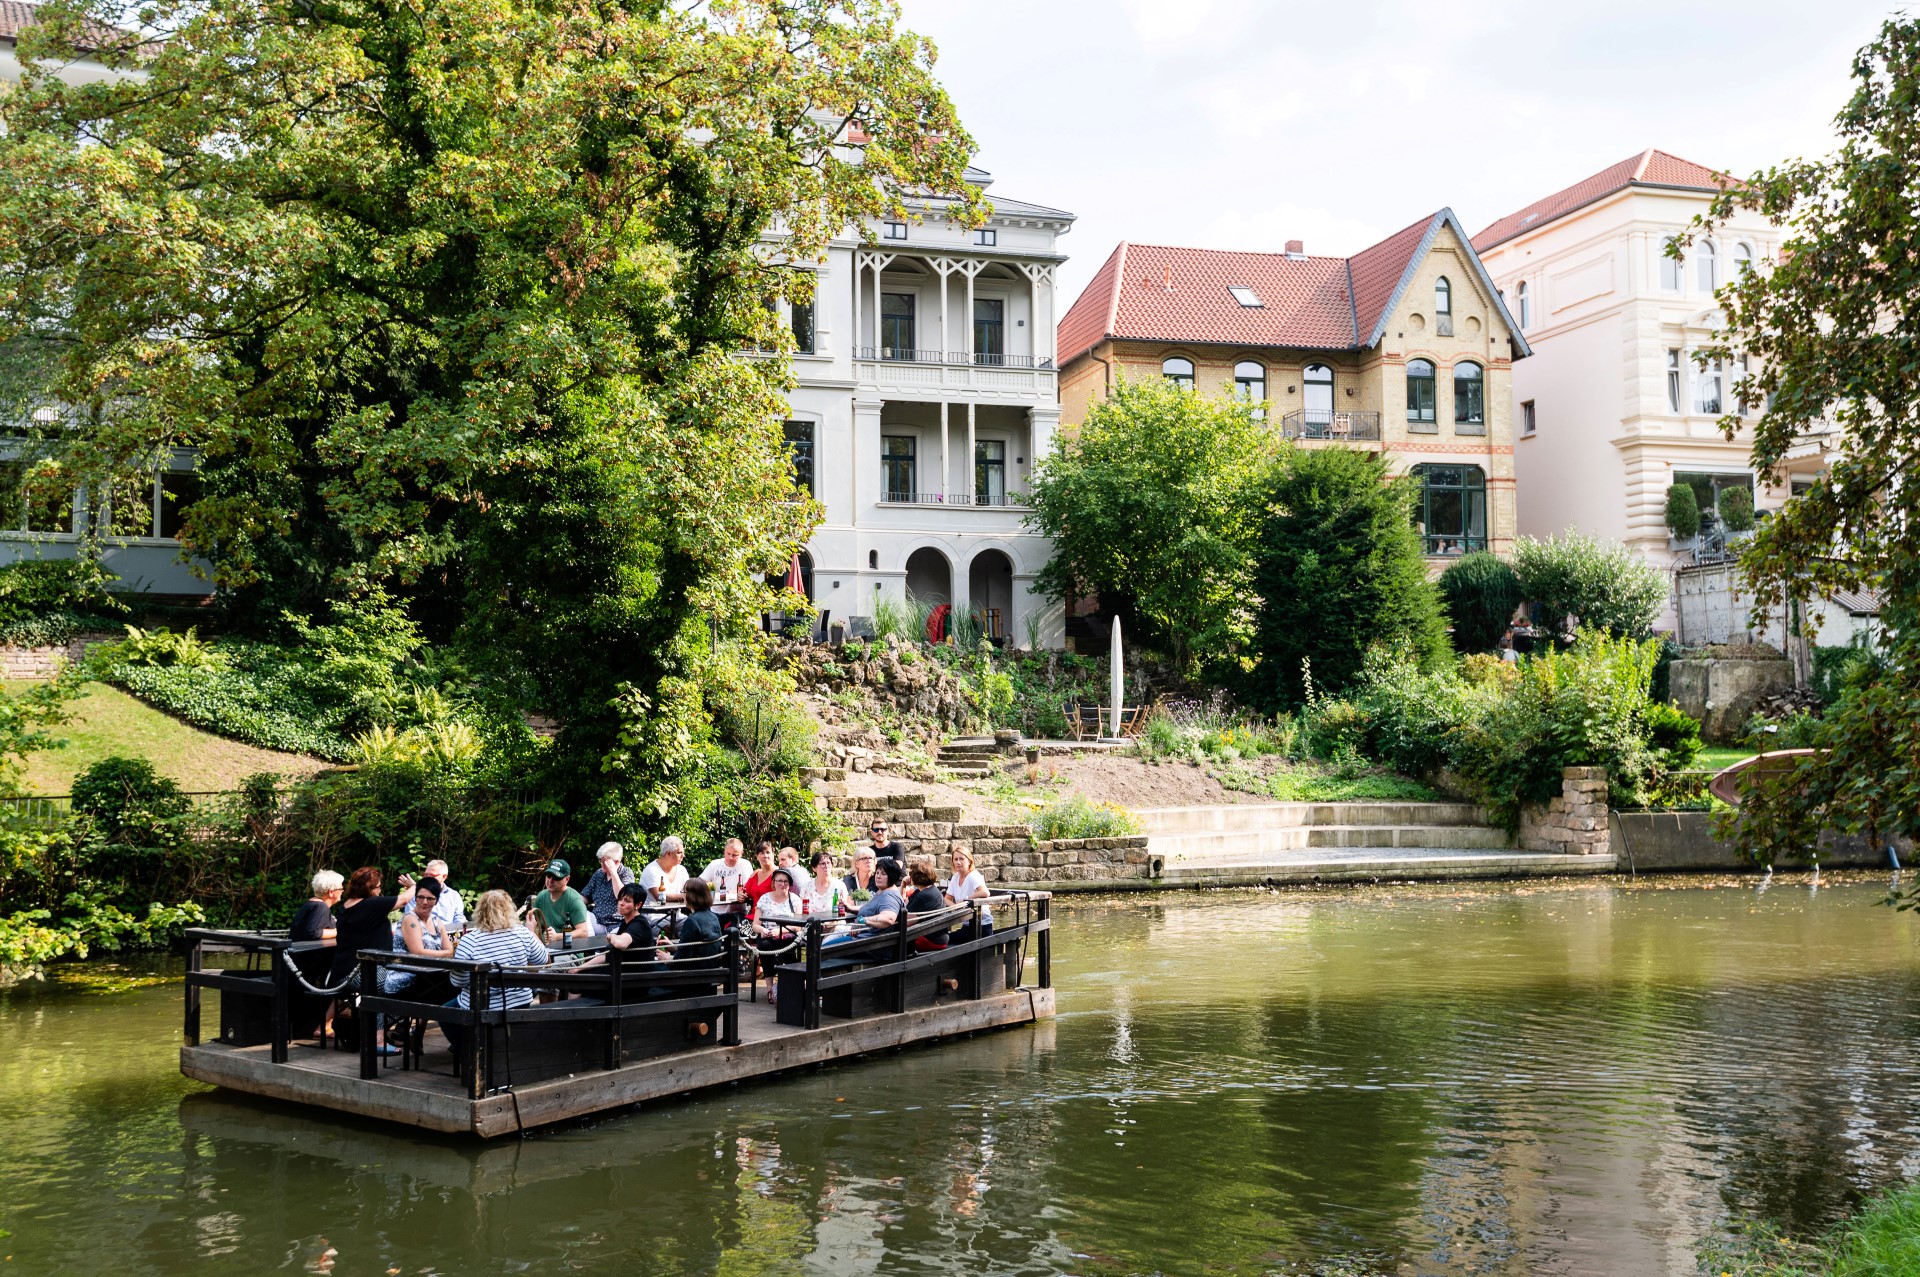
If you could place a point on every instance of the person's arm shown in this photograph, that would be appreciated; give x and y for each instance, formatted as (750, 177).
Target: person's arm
(583, 928)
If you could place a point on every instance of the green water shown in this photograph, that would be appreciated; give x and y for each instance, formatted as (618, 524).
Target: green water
(1533, 1079)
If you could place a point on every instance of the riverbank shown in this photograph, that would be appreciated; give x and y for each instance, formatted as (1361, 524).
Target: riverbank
(1882, 1239)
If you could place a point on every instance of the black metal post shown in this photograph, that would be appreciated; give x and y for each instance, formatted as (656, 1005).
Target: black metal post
(282, 981)
(979, 956)
(730, 1019)
(616, 959)
(897, 993)
(191, 1028)
(479, 996)
(1044, 914)
(369, 986)
(811, 1018)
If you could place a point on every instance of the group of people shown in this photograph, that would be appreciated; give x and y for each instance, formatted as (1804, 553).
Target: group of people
(771, 898)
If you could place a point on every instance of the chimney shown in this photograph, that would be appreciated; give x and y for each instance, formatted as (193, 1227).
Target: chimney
(1296, 251)
(1167, 279)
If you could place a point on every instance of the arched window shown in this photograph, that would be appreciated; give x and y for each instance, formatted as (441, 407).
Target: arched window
(1178, 371)
(1469, 400)
(1420, 392)
(1526, 306)
(1706, 267)
(1443, 307)
(1742, 259)
(1250, 380)
(1453, 508)
(1317, 386)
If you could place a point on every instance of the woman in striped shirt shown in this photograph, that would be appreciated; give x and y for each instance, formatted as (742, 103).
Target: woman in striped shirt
(497, 937)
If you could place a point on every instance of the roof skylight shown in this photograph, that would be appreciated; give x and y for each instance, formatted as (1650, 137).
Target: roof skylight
(1245, 296)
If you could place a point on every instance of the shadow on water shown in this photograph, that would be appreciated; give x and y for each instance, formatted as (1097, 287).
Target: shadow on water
(1537, 1078)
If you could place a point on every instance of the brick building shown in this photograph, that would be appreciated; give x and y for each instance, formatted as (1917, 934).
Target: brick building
(1404, 348)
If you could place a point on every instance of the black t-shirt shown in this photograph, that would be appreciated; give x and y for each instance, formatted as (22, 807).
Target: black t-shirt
(313, 919)
(928, 900)
(362, 925)
(639, 928)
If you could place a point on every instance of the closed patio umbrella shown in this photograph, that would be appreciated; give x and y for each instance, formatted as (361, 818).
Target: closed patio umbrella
(1116, 681)
(795, 580)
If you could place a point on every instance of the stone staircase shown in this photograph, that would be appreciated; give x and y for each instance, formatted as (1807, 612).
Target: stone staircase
(1256, 840)
(969, 759)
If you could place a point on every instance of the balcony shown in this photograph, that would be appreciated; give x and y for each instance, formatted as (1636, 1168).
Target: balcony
(910, 373)
(897, 355)
(1009, 500)
(1341, 427)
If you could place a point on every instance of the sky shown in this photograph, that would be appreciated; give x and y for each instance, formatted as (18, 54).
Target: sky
(1234, 124)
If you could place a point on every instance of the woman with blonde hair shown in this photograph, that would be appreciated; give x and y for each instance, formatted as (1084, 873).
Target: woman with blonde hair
(966, 884)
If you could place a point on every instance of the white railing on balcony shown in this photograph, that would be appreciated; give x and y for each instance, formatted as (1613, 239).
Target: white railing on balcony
(901, 355)
(953, 498)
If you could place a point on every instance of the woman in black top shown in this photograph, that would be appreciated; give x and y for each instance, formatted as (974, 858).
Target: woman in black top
(924, 897)
(364, 924)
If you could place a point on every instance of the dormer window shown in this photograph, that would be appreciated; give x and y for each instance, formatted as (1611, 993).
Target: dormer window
(986, 237)
(1245, 296)
(894, 230)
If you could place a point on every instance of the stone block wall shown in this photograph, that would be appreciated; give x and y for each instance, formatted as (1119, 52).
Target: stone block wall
(21, 663)
(1005, 855)
(1723, 693)
(1576, 822)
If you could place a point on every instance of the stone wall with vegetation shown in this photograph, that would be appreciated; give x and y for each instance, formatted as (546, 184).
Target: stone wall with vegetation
(1005, 855)
(1574, 823)
(18, 664)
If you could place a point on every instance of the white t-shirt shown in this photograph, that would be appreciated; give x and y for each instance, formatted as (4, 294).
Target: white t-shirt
(659, 883)
(825, 901)
(728, 881)
(960, 890)
(448, 911)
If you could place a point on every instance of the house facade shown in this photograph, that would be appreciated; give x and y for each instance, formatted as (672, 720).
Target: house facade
(926, 391)
(1615, 409)
(1403, 348)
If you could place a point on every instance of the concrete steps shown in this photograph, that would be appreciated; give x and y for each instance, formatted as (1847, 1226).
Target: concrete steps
(1421, 863)
(969, 758)
(1248, 838)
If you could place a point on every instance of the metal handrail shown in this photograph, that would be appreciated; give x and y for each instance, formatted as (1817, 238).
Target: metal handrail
(1341, 425)
(901, 355)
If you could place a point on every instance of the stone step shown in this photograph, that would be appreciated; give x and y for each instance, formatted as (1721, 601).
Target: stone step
(968, 751)
(1247, 816)
(960, 768)
(1418, 863)
(1484, 837)
(1237, 845)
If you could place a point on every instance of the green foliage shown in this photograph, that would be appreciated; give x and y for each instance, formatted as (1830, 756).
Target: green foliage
(1480, 592)
(1838, 670)
(1408, 715)
(1880, 1239)
(1736, 509)
(1312, 783)
(1155, 500)
(1672, 734)
(32, 937)
(1213, 732)
(160, 647)
(35, 587)
(904, 619)
(1683, 511)
(1338, 569)
(1603, 585)
(1077, 817)
(27, 721)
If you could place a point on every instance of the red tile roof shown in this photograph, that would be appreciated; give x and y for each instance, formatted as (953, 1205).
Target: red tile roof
(1649, 168)
(1151, 292)
(14, 18)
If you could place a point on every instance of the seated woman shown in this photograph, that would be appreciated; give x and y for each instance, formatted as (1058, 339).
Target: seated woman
(762, 880)
(966, 884)
(769, 937)
(315, 921)
(886, 908)
(498, 938)
(824, 893)
(700, 931)
(925, 899)
(423, 936)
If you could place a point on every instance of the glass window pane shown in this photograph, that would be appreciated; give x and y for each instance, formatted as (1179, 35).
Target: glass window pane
(179, 489)
(800, 446)
(803, 327)
(1443, 296)
(130, 506)
(989, 329)
(49, 503)
(1177, 370)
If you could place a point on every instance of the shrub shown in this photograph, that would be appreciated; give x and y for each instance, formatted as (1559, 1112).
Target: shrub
(33, 587)
(1480, 592)
(1410, 714)
(1672, 734)
(158, 647)
(1603, 585)
(1736, 509)
(1683, 511)
(1078, 817)
(1338, 569)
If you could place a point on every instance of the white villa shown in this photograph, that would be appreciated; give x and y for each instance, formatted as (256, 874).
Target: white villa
(926, 392)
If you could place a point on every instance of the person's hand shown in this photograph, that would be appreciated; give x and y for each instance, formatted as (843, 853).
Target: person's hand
(406, 880)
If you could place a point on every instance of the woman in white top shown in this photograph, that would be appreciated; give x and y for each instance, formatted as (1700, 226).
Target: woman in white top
(966, 884)
(825, 893)
(780, 904)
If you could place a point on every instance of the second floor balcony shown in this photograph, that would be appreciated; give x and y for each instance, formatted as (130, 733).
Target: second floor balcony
(1000, 500)
(1341, 427)
(977, 359)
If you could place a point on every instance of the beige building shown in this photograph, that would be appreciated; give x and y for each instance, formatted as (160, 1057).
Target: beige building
(1404, 348)
(1613, 406)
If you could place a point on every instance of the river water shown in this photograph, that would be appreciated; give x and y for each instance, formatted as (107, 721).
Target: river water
(1542, 1078)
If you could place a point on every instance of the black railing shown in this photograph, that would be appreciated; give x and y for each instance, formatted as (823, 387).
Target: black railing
(1344, 427)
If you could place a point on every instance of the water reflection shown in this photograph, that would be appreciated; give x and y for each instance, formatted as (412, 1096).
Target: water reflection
(1555, 1079)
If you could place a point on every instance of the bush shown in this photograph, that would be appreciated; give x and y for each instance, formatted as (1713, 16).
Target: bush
(1338, 569)
(1736, 509)
(1602, 585)
(1077, 817)
(1683, 511)
(1212, 731)
(34, 587)
(1672, 734)
(1410, 715)
(1480, 592)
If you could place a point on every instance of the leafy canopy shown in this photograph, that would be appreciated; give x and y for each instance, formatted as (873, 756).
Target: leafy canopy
(448, 297)
(1156, 499)
(1831, 328)
(1598, 584)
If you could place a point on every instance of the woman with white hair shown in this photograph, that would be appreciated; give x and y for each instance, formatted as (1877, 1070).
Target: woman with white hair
(315, 919)
(602, 891)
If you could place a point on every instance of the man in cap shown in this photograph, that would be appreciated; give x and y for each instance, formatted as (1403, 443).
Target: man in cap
(560, 907)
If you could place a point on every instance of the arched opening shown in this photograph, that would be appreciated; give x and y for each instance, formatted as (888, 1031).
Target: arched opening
(929, 577)
(990, 593)
(1178, 371)
(1317, 385)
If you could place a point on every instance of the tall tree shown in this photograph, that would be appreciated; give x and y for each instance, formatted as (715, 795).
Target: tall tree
(1830, 329)
(1338, 569)
(1155, 498)
(450, 298)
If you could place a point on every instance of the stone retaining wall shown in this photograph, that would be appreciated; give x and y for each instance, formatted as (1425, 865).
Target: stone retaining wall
(22, 663)
(1574, 823)
(1006, 855)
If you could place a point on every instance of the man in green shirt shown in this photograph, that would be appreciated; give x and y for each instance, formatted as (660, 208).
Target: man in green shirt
(561, 909)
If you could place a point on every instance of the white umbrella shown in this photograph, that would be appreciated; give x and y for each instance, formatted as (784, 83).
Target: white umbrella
(1116, 681)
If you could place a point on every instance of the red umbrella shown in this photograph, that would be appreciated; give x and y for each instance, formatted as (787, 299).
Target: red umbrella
(795, 581)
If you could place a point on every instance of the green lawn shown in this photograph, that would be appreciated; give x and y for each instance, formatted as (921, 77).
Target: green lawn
(1715, 758)
(107, 721)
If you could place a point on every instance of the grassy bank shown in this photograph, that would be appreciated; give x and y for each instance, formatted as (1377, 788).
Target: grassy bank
(107, 722)
(1881, 1240)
